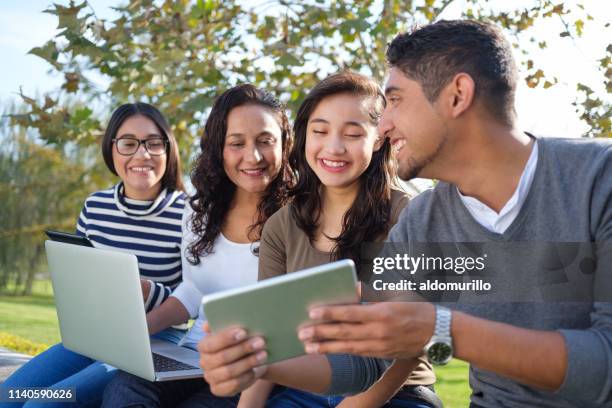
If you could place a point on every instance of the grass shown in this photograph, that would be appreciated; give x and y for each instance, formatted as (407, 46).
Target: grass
(28, 324)
(33, 317)
(452, 385)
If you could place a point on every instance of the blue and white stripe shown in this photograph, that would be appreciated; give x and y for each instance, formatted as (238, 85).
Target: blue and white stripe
(151, 230)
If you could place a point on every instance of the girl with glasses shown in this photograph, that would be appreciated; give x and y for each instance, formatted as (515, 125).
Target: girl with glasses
(140, 215)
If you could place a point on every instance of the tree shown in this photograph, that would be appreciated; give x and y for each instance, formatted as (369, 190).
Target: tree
(178, 55)
(41, 187)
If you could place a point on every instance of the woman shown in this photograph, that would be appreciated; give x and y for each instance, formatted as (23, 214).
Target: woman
(241, 178)
(139, 215)
(346, 195)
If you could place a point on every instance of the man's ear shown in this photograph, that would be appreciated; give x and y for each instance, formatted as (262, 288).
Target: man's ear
(458, 94)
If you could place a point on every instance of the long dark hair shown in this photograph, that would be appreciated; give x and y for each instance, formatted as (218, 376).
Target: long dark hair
(214, 190)
(172, 177)
(369, 216)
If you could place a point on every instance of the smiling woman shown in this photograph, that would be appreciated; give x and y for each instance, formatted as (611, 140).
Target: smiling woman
(140, 215)
(139, 147)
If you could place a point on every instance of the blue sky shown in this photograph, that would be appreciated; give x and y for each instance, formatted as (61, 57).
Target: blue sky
(547, 112)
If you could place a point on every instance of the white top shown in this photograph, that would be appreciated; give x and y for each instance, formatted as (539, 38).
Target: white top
(499, 222)
(231, 265)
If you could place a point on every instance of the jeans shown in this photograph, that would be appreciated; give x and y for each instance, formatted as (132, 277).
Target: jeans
(407, 397)
(127, 390)
(58, 367)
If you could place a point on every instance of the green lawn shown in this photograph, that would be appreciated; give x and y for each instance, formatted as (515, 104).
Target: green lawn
(33, 318)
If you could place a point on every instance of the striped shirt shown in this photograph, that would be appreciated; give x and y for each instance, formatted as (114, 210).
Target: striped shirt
(151, 230)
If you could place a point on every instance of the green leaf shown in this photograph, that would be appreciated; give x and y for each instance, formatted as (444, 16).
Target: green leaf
(68, 16)
(48, 52)
(81, 115)
(199, 103)
(288, 60)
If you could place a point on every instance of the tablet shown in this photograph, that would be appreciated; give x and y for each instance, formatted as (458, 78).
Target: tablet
(68, 238)
(276, 307)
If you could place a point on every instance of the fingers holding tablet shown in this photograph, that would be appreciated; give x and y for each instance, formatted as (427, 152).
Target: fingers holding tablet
(229, 358)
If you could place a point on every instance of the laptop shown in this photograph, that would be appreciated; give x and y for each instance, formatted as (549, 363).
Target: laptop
(101, 315)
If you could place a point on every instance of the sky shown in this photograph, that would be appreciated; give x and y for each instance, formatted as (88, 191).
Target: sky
(543, 112)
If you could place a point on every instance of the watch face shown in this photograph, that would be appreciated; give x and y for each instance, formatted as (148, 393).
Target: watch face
(440, 353)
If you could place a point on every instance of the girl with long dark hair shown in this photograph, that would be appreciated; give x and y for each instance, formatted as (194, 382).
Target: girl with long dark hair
(346, 194)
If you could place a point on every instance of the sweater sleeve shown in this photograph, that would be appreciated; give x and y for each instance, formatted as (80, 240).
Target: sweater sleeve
(81, 226)
(588, 379)
(157, 295)
(354, 374)
(187, 292)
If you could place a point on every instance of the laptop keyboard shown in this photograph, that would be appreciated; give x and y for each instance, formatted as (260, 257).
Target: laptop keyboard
(163, 364)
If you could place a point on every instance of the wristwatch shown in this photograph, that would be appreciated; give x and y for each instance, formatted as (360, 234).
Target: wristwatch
(439, 350)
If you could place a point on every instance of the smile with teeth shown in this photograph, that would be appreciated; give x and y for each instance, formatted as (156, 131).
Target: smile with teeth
(398, 144)
(334, 163)
(253, 172)
(141, 169)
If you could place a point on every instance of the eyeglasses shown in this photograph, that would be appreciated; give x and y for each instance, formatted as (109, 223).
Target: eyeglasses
(128, 146)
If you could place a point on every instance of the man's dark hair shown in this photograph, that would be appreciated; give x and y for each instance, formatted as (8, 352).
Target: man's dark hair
(432, 55)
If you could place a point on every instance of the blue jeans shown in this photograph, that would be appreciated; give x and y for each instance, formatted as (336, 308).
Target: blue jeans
(58, 367)
(127, 390)
(407, 397)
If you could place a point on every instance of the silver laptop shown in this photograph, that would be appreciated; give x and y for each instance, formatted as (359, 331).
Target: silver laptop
(101, 313)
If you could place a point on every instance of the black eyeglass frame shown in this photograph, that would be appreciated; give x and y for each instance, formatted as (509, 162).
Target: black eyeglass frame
(142, 142)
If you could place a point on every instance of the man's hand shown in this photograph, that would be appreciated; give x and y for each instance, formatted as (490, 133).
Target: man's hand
(385, 330)
(231, 361)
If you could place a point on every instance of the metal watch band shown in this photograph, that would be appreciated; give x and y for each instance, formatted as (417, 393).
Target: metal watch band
(443, 322)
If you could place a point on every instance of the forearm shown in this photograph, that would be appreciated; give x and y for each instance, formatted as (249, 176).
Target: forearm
(308, 373)
(382, 391)
(256, 395)
(169, 313)
(531, 357)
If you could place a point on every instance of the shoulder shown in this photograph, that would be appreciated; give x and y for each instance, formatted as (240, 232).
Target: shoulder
(102, 195)
(179, 199)
(576, 164)
(279, 222)
(423, 208)
(589, 151)
(399, 201)
(101, 198)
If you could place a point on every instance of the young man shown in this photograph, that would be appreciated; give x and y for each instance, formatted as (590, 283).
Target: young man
(451, 117)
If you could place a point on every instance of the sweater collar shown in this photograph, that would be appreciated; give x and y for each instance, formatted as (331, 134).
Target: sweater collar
(143, 208)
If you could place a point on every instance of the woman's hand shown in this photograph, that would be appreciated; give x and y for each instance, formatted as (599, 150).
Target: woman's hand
(145, 285)
(231, 360)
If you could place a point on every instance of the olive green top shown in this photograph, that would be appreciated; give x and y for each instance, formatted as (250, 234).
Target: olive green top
(285, 248)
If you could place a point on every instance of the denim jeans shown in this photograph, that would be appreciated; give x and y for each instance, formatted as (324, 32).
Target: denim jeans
(127, 390)
(407, 397)
(58, 367)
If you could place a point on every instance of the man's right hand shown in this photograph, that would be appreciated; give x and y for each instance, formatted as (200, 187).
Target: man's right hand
(231, 360)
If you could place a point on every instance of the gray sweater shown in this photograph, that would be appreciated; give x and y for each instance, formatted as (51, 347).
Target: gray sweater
(570, 200)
